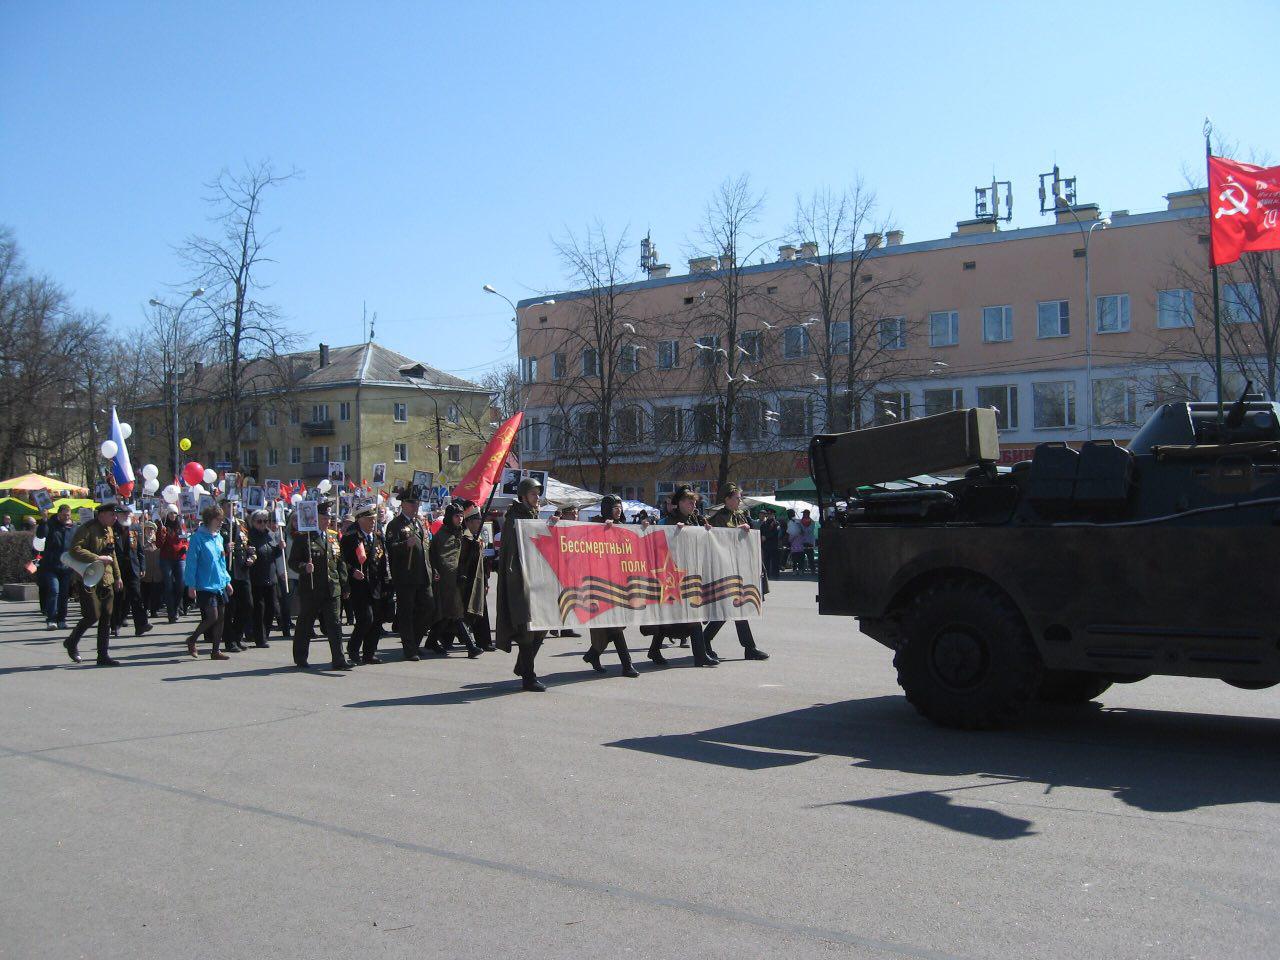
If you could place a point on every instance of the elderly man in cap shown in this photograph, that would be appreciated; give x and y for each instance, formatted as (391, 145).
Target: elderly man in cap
(322, 577)
(732, 516)
(96, 541)
(407, 541)
(512, 628)
(452, 607)
(365, 555)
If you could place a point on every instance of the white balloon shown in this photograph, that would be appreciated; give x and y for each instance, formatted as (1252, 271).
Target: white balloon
(150, 486)
(296, 499)
(210, 475)
(199, 490)
(323, 486)
(108, 449)
(170, 493)
(150, 472)
(126, 431)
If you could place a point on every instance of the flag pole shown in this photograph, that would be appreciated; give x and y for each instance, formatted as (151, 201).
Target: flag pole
(1217, 319)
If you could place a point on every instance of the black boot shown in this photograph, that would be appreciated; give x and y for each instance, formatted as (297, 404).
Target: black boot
(530, 682)
(592, 656)
(624, 655)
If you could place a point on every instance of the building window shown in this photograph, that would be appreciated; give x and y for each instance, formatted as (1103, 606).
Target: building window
(454, 413)
(628, 426)
(997, 324)
(795, 342)
(586, 424)
(708, 351)
(668, 424)
(590, 362)
(1174, 308)
(295, 415)
(530, 435)
(750, 349)
(344, 453)
(705, 422)
(943, 400)
(893, 407)
(320, 454)
(528, 369)
(319, 412)
(273, 457)
(1176, 388)
(668, 354)
(402, 453)
(1115, 402)
(400, 412)
(1239, 303)
(226, 421)
(344, 411)
(628, 358)
(453, 453)
(794, 421)
(944, 328)
(1053, 319)
(1053, 404)
(838, 337)
(559, 366)
(1003, 399)
(748, 420)
(840, 418)
(295, 454)
(893, 333)
(555, 431)
(249, 458)
(151, 429)
(273, 417)
(1112, 313)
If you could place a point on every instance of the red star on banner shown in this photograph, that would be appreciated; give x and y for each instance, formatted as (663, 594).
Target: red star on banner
(671, 579)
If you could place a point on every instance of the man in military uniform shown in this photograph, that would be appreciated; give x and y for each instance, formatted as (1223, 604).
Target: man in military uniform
(322, 578)
(132, 561)
(513, 608)
(730, 516)
(451, 606)
(365, 556)
(407, 542)
(473, 578)
(93, 542)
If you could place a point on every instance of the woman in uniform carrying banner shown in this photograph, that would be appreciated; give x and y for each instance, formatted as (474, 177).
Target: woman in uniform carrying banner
(512, 627)
(601, 637)
(683, 512)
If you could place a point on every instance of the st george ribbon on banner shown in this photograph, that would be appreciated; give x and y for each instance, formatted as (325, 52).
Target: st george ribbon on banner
(587, 574)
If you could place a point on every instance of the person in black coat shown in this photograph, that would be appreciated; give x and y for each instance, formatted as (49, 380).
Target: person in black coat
(54, 576)
(601, 637)
(267, 548)
(368, 581)
(129, 547)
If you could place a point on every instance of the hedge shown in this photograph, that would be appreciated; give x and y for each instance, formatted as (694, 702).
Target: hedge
(15, 551)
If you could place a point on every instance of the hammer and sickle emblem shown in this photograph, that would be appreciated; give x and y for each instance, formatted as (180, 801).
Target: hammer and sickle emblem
(1235, 195)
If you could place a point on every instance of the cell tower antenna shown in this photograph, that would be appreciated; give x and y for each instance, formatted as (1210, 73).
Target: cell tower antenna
(1056, 191)
(993, 203)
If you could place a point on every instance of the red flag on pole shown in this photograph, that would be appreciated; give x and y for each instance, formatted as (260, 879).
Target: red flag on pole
(1244, 207)
(479, 481)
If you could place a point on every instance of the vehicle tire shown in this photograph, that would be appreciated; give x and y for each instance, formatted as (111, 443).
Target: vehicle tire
(1071, 686)
(968, 659)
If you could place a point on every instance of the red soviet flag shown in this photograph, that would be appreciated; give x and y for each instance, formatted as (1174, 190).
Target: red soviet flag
(475, 486)
(1244, 206)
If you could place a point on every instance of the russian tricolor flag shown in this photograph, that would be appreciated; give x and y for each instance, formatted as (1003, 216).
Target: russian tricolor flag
(121, 468)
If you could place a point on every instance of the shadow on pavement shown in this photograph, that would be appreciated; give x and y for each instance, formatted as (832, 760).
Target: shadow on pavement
(477, 692)
(1154, 760)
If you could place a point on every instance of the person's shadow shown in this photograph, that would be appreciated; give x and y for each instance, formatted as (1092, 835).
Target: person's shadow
(1154, 760)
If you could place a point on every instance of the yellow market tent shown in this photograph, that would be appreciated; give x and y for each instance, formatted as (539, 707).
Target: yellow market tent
(15, 508)
(34, 481)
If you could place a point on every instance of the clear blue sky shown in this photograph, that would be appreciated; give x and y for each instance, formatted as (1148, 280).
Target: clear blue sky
(444, 146)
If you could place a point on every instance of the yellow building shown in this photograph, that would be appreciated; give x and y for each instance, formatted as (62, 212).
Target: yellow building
(360, 405)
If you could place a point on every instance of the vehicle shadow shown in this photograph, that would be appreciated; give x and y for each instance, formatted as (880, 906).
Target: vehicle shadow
(1154, 760)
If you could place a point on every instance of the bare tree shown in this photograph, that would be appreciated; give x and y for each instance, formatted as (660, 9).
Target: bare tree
(503, 385)
(858, 343)
(599, 346)
(248, 336)
(169, 349)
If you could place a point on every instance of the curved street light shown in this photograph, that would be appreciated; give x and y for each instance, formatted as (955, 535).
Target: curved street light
(196, 294)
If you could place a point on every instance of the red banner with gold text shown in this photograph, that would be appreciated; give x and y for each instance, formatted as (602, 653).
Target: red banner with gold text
(1244, 209)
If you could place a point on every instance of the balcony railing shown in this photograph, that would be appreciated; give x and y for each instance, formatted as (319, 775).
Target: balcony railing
(318, 428)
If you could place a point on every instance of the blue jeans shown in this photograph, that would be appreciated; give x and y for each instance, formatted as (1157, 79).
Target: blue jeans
(56, 584)
(171, 572)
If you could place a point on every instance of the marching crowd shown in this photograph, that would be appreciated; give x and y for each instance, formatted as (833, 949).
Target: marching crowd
(378, 569)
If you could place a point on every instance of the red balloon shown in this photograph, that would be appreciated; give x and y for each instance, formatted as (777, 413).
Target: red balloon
(193, 473)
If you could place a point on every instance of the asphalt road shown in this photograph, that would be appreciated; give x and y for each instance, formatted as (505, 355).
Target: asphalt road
(792, 808)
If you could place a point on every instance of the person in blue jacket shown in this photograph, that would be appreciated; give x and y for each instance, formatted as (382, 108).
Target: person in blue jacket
(208, 582)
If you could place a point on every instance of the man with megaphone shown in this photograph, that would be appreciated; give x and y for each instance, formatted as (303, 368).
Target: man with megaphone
(93, 557)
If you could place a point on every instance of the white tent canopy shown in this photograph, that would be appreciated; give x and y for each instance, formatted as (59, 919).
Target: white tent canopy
(799, 506)
(561, 494)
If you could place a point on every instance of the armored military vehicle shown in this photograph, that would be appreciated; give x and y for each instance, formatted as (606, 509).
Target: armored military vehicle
(1065, 574)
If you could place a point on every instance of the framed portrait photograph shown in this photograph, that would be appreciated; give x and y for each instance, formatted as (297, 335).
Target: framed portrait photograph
(42, 500)
(308, 516)
(379, 474)
(510, 481)
(337, 473)
(271, 489)
(188, 503)
(255, 498)
(424, 480)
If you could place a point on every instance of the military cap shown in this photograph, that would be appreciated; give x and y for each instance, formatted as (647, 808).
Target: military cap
(323, 507)
(412, 494)
(104, 507)
(682, 491)
(527, 484)
(369, 511)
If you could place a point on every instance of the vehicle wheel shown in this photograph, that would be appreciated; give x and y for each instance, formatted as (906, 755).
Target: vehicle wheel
(968, 659)
(1071, 686)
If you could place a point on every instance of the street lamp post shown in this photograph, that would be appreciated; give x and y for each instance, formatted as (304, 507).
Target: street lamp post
(195, 294)
(1087, 234)
(435, 405)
